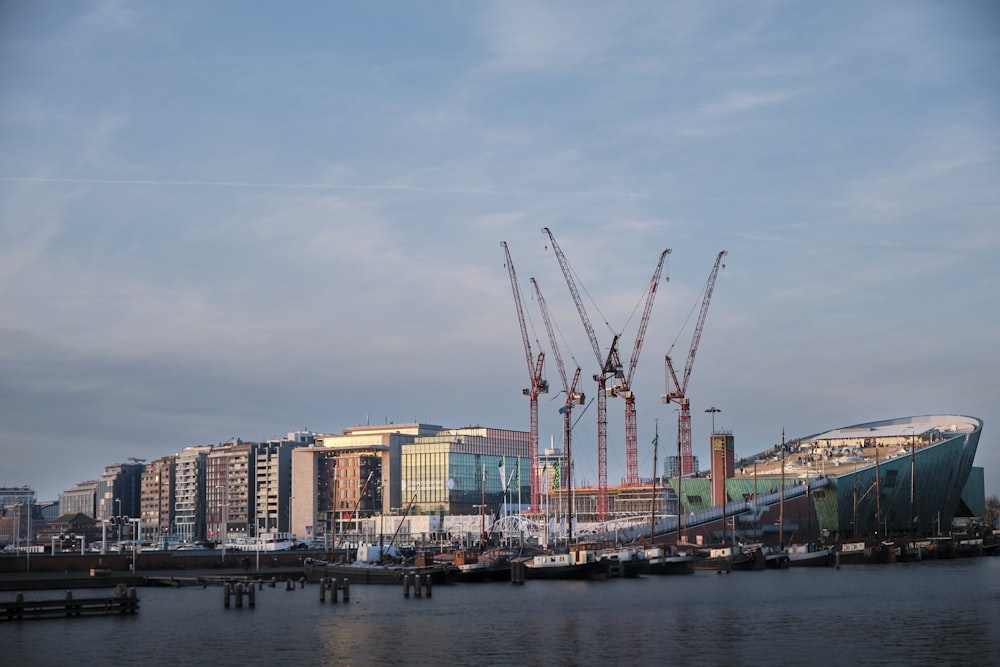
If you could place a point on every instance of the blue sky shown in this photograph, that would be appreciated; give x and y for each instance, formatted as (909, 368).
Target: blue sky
(231, 219)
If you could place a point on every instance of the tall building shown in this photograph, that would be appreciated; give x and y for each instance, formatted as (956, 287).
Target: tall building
(118, 490)
(189, 493)
(672, 466)
(229, 484)
(157, 503)
(273, 481)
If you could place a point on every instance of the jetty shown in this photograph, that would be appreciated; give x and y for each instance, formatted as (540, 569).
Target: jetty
(123, 602)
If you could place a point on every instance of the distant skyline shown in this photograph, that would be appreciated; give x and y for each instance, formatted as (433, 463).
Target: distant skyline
(218, 221)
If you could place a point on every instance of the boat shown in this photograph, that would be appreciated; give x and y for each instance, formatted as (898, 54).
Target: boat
(624, 562)
(662, 561)
(807, 555)
(468, 566)
(578, 563)
(775, 559)
(862, 552)
(734, 557)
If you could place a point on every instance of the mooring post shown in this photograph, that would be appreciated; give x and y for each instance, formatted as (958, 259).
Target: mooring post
(228, 593)
(251, 596)
(346, 585)
(322, 590)
(406, 584)
(427, 584)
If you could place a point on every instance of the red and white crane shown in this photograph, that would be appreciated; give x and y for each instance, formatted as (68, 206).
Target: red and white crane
(610, 367)
(538, 384)
(573, 397)
(624, 388)
(679, 394)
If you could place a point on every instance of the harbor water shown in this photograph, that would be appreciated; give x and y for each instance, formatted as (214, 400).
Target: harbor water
(932, 613)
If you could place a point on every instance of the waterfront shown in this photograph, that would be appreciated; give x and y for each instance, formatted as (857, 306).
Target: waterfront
(941, 613)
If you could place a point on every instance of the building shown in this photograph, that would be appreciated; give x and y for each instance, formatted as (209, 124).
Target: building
(16, 495)
(189, 493)
(229, 484)
(459, 471)
(119, 490)
(405, 469)
(344, 478)
(273, 481)
(672, 466)
(156, 504)
(81, 499)
(723, 463)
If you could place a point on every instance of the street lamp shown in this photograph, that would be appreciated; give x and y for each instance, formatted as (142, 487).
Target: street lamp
(119, 501)
(713, 410)
(225, 520)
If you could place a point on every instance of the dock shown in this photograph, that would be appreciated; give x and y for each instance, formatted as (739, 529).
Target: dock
(124, 602)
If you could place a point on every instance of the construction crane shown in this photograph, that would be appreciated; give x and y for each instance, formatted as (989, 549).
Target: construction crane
(679, 394)
(610, 367)
(538, 384)
(572, 398)
(624, 388)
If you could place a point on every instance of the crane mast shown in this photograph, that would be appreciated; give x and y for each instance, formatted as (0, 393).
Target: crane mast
(538, 384)
(679, 394)
(624, 388)
(572, 398)
(609, 368)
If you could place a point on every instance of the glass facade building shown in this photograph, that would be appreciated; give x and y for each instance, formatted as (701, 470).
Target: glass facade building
(457, 471)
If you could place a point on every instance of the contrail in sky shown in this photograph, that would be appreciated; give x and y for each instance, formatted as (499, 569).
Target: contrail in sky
(309, 186)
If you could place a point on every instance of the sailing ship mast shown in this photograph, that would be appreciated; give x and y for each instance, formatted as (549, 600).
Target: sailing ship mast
(652, 511)
(781, 501)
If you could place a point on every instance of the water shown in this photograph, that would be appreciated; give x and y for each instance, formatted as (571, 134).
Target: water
(940, 613)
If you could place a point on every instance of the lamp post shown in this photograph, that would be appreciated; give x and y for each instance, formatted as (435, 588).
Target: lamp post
(713, 410)
(119, 501)
(225, 520)
(913, 470)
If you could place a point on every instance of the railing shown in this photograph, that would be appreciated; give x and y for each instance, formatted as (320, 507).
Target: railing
(694, 519)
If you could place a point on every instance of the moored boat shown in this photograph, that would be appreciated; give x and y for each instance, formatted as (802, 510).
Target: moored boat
(625, 562)
(469, 566)
(859, 552)
(775, 559)
(806, 555)
(577, 564)
(736, 557)
(661, 561)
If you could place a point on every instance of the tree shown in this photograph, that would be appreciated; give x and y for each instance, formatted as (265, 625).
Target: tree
(993, 512)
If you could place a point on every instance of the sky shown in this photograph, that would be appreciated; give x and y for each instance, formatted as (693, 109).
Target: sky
(226, 219)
